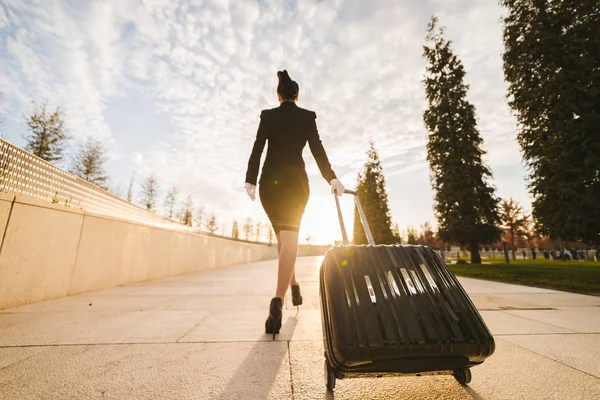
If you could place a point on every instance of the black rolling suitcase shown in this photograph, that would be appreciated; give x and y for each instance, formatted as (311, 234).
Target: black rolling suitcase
(396, 309)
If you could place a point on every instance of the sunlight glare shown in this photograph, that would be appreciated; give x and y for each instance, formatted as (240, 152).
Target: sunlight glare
(320, 220)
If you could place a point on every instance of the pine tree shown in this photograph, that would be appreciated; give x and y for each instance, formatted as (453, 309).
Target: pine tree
(130, 190)
(48, 136)
(200, 217)
(212, 226)
(411, 235)
(513, 222)
(235, 231)
(248, 228)
(187, 212)
(373, 198)
(551, 59)
(396, 233)
(258, 231)
(88, 163)
(465, 204)
(171, 202)
(271, 234)
(150, 192)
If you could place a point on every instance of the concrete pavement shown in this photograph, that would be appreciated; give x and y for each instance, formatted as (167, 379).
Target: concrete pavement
(200, 336)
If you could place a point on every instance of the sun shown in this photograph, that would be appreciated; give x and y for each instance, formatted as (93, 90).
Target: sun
(320, 220)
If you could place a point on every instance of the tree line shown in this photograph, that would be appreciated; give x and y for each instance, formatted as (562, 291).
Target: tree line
(550, 63)
(49, 140)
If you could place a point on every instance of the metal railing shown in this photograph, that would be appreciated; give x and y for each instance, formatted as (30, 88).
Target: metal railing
(22, 173)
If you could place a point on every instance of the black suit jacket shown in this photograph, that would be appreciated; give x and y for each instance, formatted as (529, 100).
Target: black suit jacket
(287, 128)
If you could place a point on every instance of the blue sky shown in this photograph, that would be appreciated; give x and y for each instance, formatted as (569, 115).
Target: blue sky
(176, 88)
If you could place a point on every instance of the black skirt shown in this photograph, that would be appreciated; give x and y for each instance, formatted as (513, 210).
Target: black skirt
(284, 199)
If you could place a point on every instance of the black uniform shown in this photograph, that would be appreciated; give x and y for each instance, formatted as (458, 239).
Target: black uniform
(283, 184)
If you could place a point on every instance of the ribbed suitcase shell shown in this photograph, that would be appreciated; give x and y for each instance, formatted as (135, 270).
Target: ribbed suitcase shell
(397, 308)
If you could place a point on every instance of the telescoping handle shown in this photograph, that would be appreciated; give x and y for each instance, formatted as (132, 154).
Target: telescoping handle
(363, 219)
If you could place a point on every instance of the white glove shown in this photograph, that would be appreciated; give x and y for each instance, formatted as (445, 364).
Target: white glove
(337, 187)
(251, 190)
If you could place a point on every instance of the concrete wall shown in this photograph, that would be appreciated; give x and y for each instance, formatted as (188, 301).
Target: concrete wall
(50, 251)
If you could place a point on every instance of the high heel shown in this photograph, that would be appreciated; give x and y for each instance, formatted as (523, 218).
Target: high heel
(296, 296)
(273, 323)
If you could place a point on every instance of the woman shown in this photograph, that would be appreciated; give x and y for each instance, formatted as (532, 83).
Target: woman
(283, 183)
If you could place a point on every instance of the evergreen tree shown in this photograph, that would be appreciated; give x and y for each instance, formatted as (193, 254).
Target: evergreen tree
(258, 231)
(551, 59)
(235, 231)
(187, 212)
(130, 190)
(200, 217)
(373, 198)
(48, 136)
(271, 234)
(248, 227)
(212, 226)
(513, 222)
(465, 205)
(150, 192)
(171, 202)
(396, 233)
(88, 163)
(411, 235)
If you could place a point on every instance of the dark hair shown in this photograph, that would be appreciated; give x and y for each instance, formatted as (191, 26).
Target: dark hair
(287, 88)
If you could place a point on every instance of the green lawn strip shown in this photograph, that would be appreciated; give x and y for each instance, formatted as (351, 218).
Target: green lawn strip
(571, 276)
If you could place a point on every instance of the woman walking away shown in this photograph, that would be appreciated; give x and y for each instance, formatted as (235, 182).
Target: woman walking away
(283, 184)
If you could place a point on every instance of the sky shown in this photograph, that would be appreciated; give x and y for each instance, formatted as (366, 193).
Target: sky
(175, 88)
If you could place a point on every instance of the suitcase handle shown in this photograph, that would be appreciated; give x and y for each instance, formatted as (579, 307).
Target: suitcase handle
(363, 218)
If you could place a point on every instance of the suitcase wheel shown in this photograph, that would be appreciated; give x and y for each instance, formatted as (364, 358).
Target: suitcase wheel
(463, 376)
(329, 377)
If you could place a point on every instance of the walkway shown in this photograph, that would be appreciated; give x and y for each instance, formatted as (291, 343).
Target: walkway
(200, 336)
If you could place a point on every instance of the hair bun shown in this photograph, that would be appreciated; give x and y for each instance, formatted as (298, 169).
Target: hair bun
(287, 88)
(284, 76)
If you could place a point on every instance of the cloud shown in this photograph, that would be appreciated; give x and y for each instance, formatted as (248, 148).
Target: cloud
(210, 67)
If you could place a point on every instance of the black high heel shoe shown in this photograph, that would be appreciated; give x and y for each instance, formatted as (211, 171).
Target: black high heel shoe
(296, 296)
(273, 323)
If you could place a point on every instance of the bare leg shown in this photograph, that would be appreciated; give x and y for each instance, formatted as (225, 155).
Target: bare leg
(287, 261)
(278, 244)
(293, 281)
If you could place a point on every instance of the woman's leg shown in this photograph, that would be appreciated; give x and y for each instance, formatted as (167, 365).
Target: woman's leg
(278, 236)
(287, 260)
(293, 281)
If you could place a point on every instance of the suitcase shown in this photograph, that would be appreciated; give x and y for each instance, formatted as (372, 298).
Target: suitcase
(391, 310)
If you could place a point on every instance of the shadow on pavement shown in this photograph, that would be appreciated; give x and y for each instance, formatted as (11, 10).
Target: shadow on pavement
(255, 376)
(473, 393)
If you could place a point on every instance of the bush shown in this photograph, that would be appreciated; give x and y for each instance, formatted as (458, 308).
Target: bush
(462, 262)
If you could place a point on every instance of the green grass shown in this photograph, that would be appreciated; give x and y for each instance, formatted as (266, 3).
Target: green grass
(571, 276)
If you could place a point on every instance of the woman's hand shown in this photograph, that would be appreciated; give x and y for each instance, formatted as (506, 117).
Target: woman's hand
(337, 187)
(251, 190)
